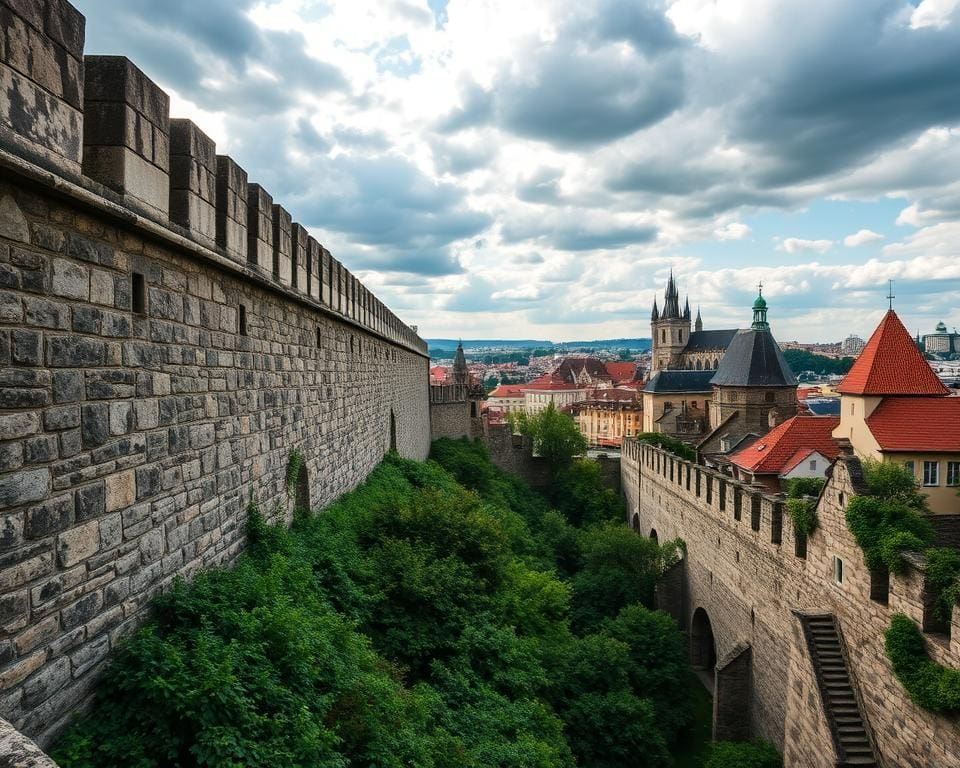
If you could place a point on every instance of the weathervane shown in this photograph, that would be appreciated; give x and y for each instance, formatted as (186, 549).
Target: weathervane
(890, 295)
(760, 287)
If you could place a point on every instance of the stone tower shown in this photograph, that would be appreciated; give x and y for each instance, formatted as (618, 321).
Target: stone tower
(461, 375)
(669, 329)
(754, 382)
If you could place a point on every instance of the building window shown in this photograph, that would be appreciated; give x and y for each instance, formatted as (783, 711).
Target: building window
(243, 320)
(768, 397)
(931, 473)
(139, 294)
(953, 473)
(910, 467)
(319, 338)
(663, 337)
(838, 570)
(813, 464)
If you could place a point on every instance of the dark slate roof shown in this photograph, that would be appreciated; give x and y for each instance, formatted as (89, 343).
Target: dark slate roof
(680, 381)
(703, 340)
(754, 359)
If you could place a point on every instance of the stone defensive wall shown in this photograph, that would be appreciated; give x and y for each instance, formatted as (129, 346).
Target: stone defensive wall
(169, 334)
(746, 583)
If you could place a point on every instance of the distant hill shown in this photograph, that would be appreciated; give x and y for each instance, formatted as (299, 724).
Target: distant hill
(468, 344)
(477, 343)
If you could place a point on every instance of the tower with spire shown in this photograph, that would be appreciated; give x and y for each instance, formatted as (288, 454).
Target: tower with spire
(753, 388)
(669, 328)
(461, 374)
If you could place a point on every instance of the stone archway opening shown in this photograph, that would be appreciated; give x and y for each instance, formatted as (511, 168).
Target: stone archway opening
(635, 523)
(703, 648)
(393, 431)
(654, 536)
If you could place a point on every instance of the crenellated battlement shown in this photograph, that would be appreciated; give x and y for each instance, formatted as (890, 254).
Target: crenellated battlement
(99, 129)
(748, 571)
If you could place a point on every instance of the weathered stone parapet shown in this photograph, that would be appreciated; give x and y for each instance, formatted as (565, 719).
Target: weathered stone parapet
(326, 280)
(123, 151)
(231, 208)
(41, 82)
(260, 229)
(282, 245)
(313, 270)
(298, 248)
(193, 181)
(126, 133)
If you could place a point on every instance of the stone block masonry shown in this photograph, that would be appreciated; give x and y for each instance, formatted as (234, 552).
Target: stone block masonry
(744, 579)
(156, 369)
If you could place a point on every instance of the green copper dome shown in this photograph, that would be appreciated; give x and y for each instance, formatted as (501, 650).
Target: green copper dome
(941, 328)
(760, 303)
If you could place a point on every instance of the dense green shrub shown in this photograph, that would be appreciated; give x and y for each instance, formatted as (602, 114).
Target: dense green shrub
(798, 487)
(580, 495)
(619, 569)
(803, 514)
(943, 579)
(891, 519)
(555, 435)
(414, 622)
(743, 754)
(670, 444)
(658, 662)
(929, 685)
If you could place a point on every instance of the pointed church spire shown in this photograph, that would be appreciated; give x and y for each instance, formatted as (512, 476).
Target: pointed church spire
(686, 308)
(698, 324)
(461, 375)
(671, 304)
(655, 315)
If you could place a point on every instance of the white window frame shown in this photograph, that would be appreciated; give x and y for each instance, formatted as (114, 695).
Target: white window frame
(931, 474)
(953, 473)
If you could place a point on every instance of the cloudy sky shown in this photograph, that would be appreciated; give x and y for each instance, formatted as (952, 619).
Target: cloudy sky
(495, 168)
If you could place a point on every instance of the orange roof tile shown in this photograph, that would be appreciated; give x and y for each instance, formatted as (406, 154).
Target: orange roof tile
(621, 371)
(773, 452)
(891, 364)
(507, 390)
(917, 424)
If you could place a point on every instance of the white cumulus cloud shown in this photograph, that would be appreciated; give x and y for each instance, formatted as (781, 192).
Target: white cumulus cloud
(799, 245)
(735, 230)
(861, 237)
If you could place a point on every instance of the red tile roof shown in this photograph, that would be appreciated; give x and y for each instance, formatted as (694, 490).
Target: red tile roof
(550, 381)
(507, 390)
(926, 424)
(891, 364)
(621, 371)
(773, 452)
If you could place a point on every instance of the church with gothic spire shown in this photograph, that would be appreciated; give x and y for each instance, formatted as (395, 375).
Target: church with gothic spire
(681, 344)
(718, 387)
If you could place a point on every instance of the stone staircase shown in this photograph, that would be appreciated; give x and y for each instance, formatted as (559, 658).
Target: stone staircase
(841, 705)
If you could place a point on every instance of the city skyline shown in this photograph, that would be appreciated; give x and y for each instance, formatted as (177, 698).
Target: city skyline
(536, 171)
